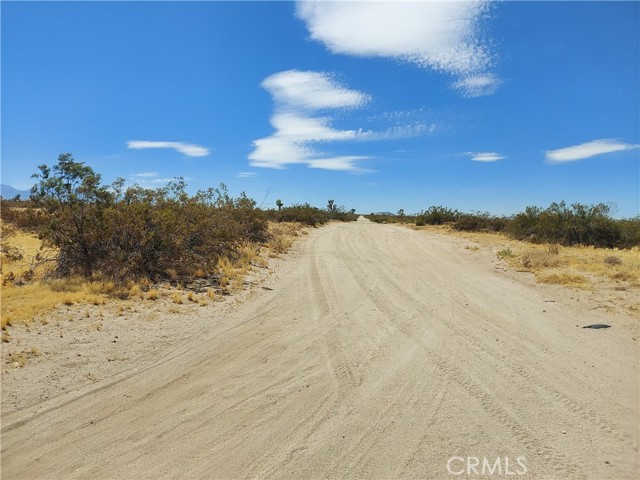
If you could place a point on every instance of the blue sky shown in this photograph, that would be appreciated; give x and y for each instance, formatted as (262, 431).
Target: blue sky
(378, 105)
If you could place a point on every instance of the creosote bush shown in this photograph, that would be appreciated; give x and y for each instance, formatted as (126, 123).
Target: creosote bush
(309, 215)
(138, 232)
(557, 225)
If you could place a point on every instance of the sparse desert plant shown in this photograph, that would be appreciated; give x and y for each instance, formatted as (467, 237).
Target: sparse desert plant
(67, 300)
(135, 291)
(553, 249)
(177, 298)
(612, 260)
(535, 259)
(172, 275)
(505, 253)
(152, 294)
(567, 279)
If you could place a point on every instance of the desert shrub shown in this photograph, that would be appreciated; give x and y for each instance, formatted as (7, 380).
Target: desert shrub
(629, 232)
(612, 260)
(305, 214)
(22, 215)
(437, 215)
(476, 222)
(138, 232)
(506, 253)
(577, 224)
(553, 249)
(309, 215)
(383, 218)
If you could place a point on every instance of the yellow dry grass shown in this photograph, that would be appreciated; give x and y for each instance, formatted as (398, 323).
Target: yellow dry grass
(282, 236)
(573, 266)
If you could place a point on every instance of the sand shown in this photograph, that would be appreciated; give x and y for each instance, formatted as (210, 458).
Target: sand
(373, 351)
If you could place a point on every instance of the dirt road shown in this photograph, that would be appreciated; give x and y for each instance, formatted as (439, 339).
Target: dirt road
(379, 352)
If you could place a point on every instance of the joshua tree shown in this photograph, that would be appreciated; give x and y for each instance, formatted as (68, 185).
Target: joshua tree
(401, 212)
(279, 204)
(331, 205)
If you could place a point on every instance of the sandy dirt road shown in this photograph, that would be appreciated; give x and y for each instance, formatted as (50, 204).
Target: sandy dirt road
(380, 352)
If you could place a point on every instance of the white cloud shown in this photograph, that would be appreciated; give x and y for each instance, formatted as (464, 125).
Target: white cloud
(298, 96)
(246, 174)
(311, 91)
(441, 35)
(149, 178)
(188, 149)
(398, 132)
(478, 85)
(345, 163)
(587, 150)
(299, 128)
(162, 180)
(144, 175)
(485, 156)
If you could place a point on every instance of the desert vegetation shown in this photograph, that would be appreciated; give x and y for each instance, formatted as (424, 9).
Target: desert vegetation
(559, 223)
(89, 241)
(77, 239)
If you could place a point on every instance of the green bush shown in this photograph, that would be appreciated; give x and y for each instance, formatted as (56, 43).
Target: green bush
(437, 215)
(139, 232)
(577, 224)
(308, 215)
(480, 222)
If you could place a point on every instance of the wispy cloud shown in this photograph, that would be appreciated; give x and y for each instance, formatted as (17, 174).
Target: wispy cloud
(188, 149)
(484, 156)
(440, 35)
(148, 179)
(144, 175)
(477, 85)
(398, 132)
(306, 104)
(311, 91)
(587, 150)
(346, 163)
(246, 174)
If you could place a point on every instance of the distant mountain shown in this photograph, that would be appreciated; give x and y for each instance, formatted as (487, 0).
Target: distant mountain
(8, 192)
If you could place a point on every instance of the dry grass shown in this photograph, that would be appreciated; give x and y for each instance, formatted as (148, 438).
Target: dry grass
(566, 279)
(282, 236)
(537, 259)
(136, 291)
(177, 298)
(575, 266)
